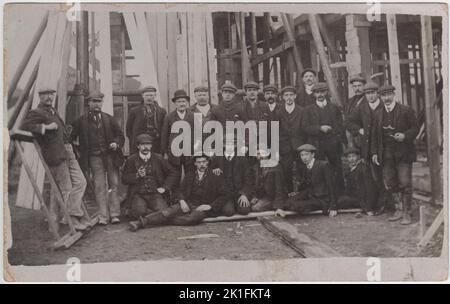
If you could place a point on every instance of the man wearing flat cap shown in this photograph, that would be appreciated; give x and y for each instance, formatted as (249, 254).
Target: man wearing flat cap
(323, 127)
(290, 134)
(230, 108)
(361, 125)
(392, 148)
(271, 97)
(147, 118)
(201, 194)
(203, 107)
(149, 177)
(55, 142)
(316, 189)
(306, 96)
(255, 109)
(181, 113)
(357, 83)
(100, 143)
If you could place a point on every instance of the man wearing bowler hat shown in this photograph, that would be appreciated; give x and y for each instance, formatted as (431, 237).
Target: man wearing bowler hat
(392, 147)
(100, 143)
(316, 190)
(323, 127)
(146, 118)
(306, 96)
(149, 177)
(290, 135)
(181, 113)
(201, 194)
(55, 142)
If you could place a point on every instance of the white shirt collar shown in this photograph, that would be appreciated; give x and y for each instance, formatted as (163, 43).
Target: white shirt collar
(204, 109)
(181, 115)
(311, 164)
(322, 104)
(200, 175)
(145, 157)
(374, 105)
(308, 89)
(391, 107)
(228, 154)
(272, 106)
(289, 108)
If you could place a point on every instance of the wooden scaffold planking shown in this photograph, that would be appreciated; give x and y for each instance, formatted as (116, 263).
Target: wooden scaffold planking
(172, 31)
(394, 57)
(212, 61)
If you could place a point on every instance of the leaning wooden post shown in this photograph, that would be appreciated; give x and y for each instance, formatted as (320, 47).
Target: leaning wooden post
(245, 62)
(324, 59)
(266, 46)
(295, 52)
(431, 112)
(394, 57)
(254, 41)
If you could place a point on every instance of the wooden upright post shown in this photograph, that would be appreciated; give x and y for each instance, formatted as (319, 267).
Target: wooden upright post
(266, 46)
(357, 38)
(295, 50)
(245, 62)
(394, 58)
(324, 59)
(254, 41)
(431, 111)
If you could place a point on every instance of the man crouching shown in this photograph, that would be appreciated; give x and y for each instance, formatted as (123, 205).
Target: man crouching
(201, 194)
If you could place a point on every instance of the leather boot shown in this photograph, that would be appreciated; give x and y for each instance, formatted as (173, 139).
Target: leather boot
(406, 215)
(135, 225)
(398, 206)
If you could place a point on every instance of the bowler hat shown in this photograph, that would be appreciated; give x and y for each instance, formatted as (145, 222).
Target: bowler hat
(306, 147)
(180, 94)
(46, 90)
(386, 88)
(320, 86)
(308, 70)
(144, 139)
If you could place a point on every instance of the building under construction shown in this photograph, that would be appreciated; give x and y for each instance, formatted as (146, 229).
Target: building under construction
(118, 50)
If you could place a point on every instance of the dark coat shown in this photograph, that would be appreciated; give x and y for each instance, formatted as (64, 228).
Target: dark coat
(405, 121)
(363, 117)
(166, 175)
(209, 116)
(260, 112)
(229, 111)
(291, 135)
(359, 184)
(167, 136)
(311, 126)
(51, 142)
(322, 182)
(352, 104)
(272, 181)
(216, 194)
(242, 178)
(113, 133)
(304, 100)
(136, 125)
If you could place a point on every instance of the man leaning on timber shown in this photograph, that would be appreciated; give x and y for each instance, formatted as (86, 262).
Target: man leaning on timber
(101, 140)
(50, 132)
(201, 194)
(357, 82)
(149, 177)
(146, 118)
(395, 129)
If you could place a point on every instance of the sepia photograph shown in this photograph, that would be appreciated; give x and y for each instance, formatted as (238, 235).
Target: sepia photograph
(214, 142)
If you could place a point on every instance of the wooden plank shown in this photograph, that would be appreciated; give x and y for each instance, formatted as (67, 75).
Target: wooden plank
(274, 52)
(394, 59)
(422, 221)
(203, 67)
(62, 83)
(306, 245)
(295, 51)
(266, 48)
(254, 47)
(161, 62)
(182, 54)
(104, 57)
(247, 74)
(172, 36)
(438, 221)
(212, 61)
(324, 60)
(431, 110)
(191, 53)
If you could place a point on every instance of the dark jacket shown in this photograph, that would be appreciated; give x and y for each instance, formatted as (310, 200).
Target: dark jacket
(304, 100)
(166, 176)
(363, 117)
(209, 116)
(215, 195)
(229, 111)
(242, 178)
(136, 125)
(167, 136)
(272, 181)
(405, 121)
(113, 133)
(322, 184)
(352, 104)
(359, 184)
(260, 112)
(311, 126)
(52, 141)
(291, 135)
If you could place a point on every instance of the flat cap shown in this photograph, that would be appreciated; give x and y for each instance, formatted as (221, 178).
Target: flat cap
(270, 87)
(357, 77)
(370, 86)
(320, 86)
(46, 90)
(96, 95)
(308, 70)
(351, 150)
(180, 94)
(229, 87)
(288, 89)
(251, 84)
(386, 88)
(144, 139)
(201, 89)
(307, 147)
(148, 89)
(200, 154)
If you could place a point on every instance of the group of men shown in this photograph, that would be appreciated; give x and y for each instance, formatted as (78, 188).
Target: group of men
(373, 130)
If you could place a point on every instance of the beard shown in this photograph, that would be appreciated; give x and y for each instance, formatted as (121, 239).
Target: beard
(271, 100)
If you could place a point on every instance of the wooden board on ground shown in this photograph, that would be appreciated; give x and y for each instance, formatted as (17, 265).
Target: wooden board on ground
(307, 246)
